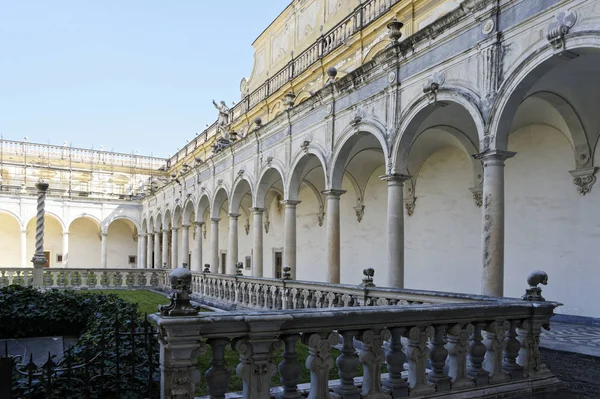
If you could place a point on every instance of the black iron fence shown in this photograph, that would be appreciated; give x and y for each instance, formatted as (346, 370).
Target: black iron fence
(123, 362)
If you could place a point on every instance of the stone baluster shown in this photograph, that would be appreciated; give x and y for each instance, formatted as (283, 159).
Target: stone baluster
(437, 358)
(476, 356)
(217, 376)
(371, 356)
(417, 353)
(494, 337)
(347, 364)
(84, 279)
(458, 338)
(511, 352)
(529, 337)
(319, 362)
(395, 359)
(290, 369)
(256, 365)
(55, 279)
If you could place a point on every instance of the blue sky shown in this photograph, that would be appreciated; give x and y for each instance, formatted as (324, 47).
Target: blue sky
(130, 75)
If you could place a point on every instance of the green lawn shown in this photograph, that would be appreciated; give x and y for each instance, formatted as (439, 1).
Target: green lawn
(147, 301)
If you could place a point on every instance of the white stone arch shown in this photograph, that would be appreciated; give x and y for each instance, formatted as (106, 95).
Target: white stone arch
(221, 195)
(6, 211)
(420, 110)
(298, 162)
(54, 215)
(268, 176)
(526, 72)
(242, 186)
(151, 224)
(202, 206)
(144, 229)
(582, 151)
(302, 96)
(177, 214)
(158, 221)
(113, 219)
(167, 219)
(85, 216)
(188, 210)
(348, 139)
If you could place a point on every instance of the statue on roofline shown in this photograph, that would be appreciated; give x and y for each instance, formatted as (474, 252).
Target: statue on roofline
(223, 120)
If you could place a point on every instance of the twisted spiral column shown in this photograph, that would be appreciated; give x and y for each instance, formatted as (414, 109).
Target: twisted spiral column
(39, 260)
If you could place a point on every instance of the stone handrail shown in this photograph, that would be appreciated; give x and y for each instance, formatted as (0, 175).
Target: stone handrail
(267, 293)
(70, 278)
(474, 349)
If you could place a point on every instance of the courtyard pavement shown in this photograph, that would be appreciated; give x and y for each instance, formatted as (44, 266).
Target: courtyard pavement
(575, 338)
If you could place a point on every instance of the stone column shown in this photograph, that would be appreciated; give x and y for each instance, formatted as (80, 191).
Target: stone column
(197, 261)
(174, 248)
(333, 235)
(142, 248)
(165, 248)
(104, 250)
(185, 245)
(257, 245)
(65, 249)
(23, 248)
(232, 252)
(157, 257)
(149, 250)
(214, 245)
(395, 228)
(493, 220)
(39, 260)
(289, 246)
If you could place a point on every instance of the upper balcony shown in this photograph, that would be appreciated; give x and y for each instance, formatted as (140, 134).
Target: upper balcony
(293, 54)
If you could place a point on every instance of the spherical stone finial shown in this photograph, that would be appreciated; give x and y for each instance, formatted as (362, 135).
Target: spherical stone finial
(181, 283)
(332, 73)
(258, 121)
(181, 279)
(394, 30)
(537, 277)
(42, 185)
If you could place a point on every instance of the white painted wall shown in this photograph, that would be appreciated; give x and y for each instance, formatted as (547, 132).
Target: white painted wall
(311, 239)
(10, 241)
(52, 239)
(442, 237)
(121, 244)
(84, 243)
(549, 225)
(274, 238)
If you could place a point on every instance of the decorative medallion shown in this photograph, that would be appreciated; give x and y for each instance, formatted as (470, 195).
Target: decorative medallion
(488, 26)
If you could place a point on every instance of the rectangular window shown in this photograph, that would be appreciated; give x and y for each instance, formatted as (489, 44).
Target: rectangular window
(132, 259)
(248, 262)
(278, 264)
(59, 258)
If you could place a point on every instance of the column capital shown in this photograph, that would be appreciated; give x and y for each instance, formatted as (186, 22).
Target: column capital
(23, 231)
(395, 178)
(65, 233)
(215, 220)
(104, 234)
(185, 226)
(234, 215)
(290, 203)
(333, 193)
(494, 155)
(199, 224)
(257, 210)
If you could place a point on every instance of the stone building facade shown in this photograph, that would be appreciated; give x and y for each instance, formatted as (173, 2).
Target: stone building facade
(448, 145)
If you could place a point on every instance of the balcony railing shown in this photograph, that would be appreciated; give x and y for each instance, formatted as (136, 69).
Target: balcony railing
(360, 18)
(453, 344)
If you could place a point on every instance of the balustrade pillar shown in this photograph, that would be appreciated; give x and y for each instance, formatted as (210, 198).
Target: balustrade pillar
(197, 261)
(104, 251)
(458, 338)
(185, 245)
(319, 362)
(395, 359)
(417, 353)
(214, 245)
(371, 356)
(157, 256)
(65, 249)
(494, 337)
(290, 368)
(395, 228)
(149, 250)
(333, 235)
(257, 246)
(256, 367)
(493, 221)
(476, 355)
(165, 248)
(347, 364)
(437, 359)
(217, 376)
(232, 252)
(511, 352)
(23, 248)
(174, 248)
(289, 248)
